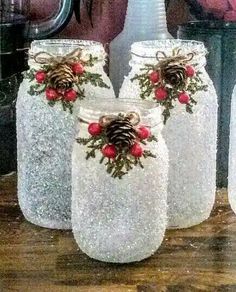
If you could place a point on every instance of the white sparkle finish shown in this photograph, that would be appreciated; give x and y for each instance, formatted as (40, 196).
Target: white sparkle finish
(232, 155)
(44, 141)
(191, 138)
(123, 220)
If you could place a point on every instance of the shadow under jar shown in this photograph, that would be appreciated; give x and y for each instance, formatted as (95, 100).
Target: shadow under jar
(190, 138)
(45, 136)
(119, 220)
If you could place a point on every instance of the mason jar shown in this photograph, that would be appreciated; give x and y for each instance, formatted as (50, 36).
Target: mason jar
(191, 138)
(45, 134)
(232, 151)
(119, 220)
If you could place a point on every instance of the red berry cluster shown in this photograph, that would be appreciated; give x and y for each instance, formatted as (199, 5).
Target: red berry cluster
(52, 94)
(110, 151)
(161, 92)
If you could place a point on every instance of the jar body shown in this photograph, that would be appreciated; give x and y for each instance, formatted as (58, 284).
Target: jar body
(45, 137)
(191, 141)
(232, 150)
(119, 220)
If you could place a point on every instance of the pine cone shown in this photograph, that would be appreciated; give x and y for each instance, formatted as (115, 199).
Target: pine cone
(121, 133)
(61, 77)
(174, 74)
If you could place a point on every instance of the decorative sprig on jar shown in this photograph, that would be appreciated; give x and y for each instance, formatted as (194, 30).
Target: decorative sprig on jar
(172, 74)
(62, 72)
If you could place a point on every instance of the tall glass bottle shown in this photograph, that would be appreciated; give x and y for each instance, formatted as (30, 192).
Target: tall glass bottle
(145, 20)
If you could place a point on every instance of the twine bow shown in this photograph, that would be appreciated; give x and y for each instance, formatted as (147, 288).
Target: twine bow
(45, 58)
(163, 59)
(133, 117)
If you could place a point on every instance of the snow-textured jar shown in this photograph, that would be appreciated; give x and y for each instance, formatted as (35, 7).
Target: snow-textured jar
(191, 138)
(232, 155)
(117, 220)
(45, 136)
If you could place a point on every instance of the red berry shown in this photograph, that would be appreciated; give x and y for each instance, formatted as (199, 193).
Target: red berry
(161, 93)
(109, 151)
(70, 95)
(154, 76)
(184, 98)
(94, 129)
(78, 68)
(136, 150)
(190, 71)
(40, 76)
(51, 94)
(144, 133)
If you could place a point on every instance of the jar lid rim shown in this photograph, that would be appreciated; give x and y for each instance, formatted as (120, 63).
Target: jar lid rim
(150, 47)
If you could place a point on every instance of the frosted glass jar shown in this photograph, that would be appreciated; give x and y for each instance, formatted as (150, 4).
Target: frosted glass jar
(232, 154)
(44, 140)
(119, 220)
(191, 138)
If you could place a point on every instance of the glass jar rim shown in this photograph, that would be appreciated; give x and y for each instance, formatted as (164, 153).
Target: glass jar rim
(65, 46)
(91, 110)
(65, 42)
(148, 49)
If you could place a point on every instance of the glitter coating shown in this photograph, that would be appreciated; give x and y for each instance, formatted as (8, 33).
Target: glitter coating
(232, 155)
(119, 220)
(45, 136)
(190, 138)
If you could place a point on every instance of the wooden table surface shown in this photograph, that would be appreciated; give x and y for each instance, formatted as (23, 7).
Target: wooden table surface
(202, 258)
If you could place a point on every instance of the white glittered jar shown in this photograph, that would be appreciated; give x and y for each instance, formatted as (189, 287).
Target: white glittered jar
(232, 154)
(119, 220)
(191, 138)
(45, 135)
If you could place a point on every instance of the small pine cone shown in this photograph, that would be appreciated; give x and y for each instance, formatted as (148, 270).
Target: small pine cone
(121, 133)
(174, 74)
(61, 77)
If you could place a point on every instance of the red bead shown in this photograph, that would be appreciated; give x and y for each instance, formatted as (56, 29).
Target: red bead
(94, 129)
(109, 151)
(136, 150)
(78, 68)
(40, 76)
(154, 76)
(184, 98)
(51, 94)
(70, 95)
(161, 93)
(144, 133)
(190, 71)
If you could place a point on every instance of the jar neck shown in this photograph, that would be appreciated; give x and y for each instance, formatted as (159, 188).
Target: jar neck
(150, 115)
(146, 52)
(62, 47)
(146, 14)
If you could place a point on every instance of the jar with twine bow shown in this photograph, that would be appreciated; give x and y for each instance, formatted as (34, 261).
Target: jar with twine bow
(123, 156)
(172, 74)
(62, 72)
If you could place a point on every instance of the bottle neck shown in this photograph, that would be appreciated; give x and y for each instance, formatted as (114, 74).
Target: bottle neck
(146, 16)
